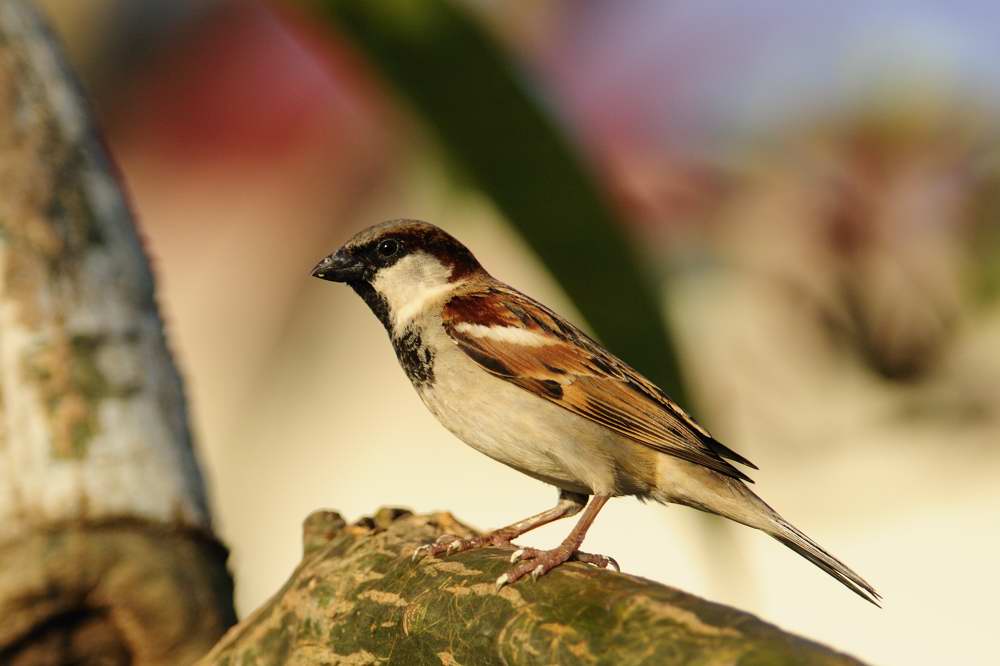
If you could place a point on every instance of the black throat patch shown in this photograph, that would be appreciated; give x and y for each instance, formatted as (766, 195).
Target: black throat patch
(416, 358)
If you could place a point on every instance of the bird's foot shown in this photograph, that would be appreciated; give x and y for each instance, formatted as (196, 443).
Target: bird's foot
(537, 563)
(599, 561)
(449, 544)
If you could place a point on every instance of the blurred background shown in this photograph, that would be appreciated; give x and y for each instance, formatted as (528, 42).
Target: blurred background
(786, 212)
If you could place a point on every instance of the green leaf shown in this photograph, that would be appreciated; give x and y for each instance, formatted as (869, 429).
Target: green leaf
(465, 88)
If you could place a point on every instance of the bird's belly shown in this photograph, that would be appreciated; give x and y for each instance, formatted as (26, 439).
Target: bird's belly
(522, 430)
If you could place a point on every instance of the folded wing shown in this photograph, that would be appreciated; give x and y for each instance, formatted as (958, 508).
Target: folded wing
(520, 340)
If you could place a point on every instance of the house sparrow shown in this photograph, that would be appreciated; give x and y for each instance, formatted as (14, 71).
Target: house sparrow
(519, 383)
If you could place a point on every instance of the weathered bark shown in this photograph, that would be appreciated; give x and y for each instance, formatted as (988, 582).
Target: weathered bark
(106, 551)
(357, 598)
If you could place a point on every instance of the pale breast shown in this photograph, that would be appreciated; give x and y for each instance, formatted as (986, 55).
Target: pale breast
(515, 427)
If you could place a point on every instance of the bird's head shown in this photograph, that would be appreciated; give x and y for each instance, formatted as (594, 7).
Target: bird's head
(400, 267)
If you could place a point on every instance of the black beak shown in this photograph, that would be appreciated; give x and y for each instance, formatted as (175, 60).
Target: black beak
(339, 267)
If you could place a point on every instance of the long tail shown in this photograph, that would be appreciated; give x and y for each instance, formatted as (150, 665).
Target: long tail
(792, 537)
(685, 483)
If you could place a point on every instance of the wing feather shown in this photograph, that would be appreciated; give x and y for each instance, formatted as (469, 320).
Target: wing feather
(562, 364)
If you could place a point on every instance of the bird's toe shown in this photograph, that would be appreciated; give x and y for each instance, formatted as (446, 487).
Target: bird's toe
(449, 544)
(536, 563)
(599, 561)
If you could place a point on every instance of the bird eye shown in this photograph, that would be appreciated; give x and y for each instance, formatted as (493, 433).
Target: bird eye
(388, 248)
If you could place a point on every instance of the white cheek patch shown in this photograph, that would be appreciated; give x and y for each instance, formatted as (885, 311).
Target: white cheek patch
(509, 334)
(407, 312)
(411, 284)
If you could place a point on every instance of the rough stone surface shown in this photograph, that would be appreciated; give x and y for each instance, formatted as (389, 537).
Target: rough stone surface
(357, 598)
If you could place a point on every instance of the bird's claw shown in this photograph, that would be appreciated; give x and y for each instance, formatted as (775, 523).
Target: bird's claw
(599, 561)
(536, 563)
(449, 544)
(528, 561)
(442, 544)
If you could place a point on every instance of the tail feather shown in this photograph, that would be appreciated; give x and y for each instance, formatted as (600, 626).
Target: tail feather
(812, 551)
(682, 482)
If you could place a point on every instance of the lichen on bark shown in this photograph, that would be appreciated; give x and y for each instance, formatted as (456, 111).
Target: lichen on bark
(358, 598)
(106, 551)
(90, 388)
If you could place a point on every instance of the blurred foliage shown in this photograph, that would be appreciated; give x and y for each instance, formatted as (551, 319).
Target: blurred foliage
(464, 86)
(881, 221)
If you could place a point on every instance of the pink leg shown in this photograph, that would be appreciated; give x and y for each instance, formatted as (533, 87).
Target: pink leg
(569, 505)
(539, 562)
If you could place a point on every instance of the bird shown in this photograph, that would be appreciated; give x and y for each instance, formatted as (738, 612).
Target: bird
(524, 386)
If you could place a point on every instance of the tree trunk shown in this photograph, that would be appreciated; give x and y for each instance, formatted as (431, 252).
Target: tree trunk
(357, 598)
(106, 550)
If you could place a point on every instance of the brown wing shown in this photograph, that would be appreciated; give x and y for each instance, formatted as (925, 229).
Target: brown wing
(516, 338)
